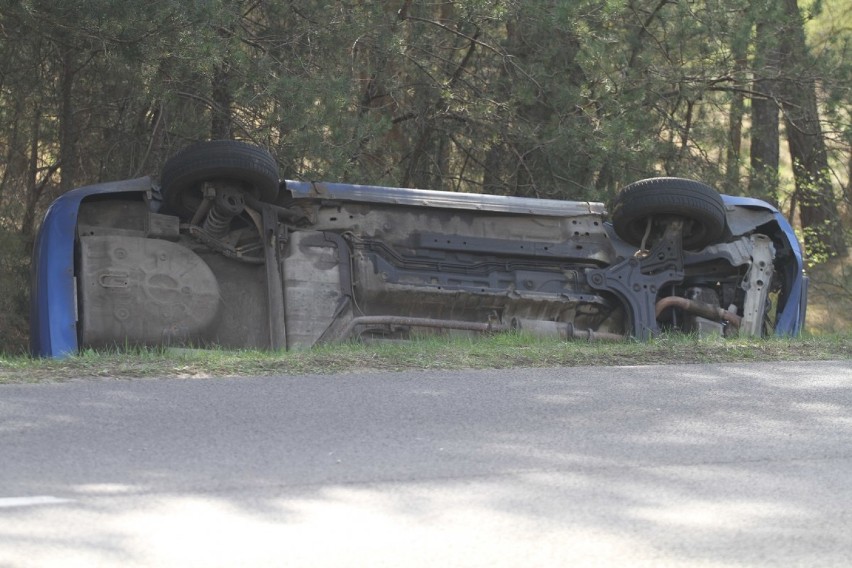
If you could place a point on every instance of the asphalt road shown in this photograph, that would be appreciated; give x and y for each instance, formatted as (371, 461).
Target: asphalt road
(734, 465)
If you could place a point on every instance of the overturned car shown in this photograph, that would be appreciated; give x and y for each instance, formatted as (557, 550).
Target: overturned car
(223, 253)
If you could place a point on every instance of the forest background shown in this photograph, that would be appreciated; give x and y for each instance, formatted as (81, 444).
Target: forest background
(567, 99)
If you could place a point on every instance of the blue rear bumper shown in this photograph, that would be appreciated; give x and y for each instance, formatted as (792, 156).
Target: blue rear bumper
(53, 302)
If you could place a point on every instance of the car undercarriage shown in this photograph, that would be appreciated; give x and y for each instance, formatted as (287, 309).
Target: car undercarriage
(222, 253)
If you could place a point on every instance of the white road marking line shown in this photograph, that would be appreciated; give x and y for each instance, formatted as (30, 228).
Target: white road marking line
(9, 502)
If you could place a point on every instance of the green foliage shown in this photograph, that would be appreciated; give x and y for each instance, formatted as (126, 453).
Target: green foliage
(14, 288)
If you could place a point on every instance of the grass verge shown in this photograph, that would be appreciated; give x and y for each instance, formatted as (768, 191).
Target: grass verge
(493, 352)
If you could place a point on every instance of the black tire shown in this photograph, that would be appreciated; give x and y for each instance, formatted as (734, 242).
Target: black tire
(698, 204)
(217, 160)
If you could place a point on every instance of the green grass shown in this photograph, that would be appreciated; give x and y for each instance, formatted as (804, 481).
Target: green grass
(492, 352)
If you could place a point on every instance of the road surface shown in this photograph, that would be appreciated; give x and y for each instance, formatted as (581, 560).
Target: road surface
(693, 465)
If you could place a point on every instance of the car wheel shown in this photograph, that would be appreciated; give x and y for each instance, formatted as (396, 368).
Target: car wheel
(698, 204)
(184, 174)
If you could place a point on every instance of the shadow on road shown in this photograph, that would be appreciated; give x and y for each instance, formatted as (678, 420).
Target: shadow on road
(731, 464)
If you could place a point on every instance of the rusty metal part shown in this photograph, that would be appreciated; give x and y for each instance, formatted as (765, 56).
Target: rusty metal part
(247, 253)
(700, 309)
(563, 330)
(281, 212)
(420, 322)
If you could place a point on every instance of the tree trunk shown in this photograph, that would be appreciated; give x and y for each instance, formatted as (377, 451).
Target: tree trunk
(736, 112)
(221, 125)
(818, 208)
(765, 150)
(33, 189)
(735, 140)
(67, 125)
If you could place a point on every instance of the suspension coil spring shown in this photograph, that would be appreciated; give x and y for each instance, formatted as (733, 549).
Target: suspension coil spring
(217, 222)
(226, 205)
